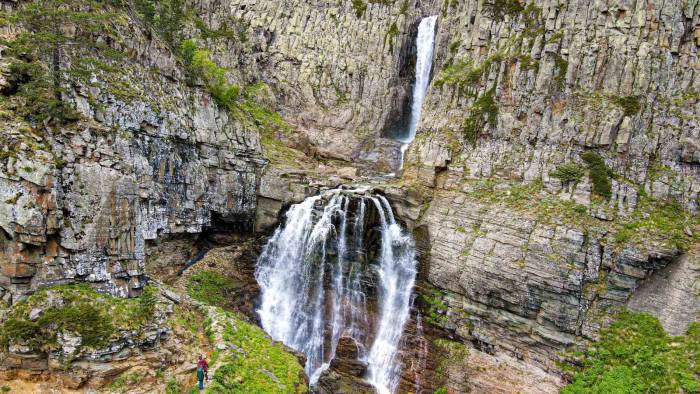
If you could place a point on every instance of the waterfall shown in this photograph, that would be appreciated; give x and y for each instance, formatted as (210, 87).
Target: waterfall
(315, 273)
(424, 63)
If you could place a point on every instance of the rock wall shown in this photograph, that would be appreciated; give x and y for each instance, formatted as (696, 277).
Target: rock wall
(342, 74)
(559, 73)
(513, 259)
(79, 201)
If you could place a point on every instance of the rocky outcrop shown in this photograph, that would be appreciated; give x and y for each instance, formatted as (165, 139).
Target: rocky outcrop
(346, 372)
(671, 294)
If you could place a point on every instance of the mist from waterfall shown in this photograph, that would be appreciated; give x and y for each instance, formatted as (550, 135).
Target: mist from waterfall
(425, 42)
(316, 272)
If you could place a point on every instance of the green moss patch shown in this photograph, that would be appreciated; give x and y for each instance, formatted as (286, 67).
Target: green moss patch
(262, 366)
(212, 288)
(635, 355)
(78, 309)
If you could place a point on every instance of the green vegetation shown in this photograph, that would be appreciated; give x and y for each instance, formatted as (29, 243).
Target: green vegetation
(568, 173)
(166, 17)
(599, 173)
(434, 305)
(652, 222)
(464, 76)
(211, 288)
(81, 310)
(359, 6)
(262, 367)
(393, 32)
(451, 355)
(653, 219)
(629, 104)
(635, 355)
(499, 9)
(241, 102)
(37, 72)
(484, 111)
(172, 387)
(561, 66)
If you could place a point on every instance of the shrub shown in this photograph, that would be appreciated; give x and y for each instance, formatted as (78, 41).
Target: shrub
(359, 6)
(483, 111)
(172, 387)
(561, 65)
(568, 172)
(599, 173)
(498, 9)
(165, 16)
(629, 104)
(635, 355)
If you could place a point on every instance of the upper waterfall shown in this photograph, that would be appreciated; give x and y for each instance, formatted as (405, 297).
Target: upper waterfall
(425, 43)
(317, 271)
(424, 64)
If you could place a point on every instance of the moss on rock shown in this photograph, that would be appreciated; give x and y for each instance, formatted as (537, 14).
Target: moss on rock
(262, 366)
(96, 318)
(635, 355)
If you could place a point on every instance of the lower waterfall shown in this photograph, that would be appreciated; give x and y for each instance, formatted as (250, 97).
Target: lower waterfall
(340, 265)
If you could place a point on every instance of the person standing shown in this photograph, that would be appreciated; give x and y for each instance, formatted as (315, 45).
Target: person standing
(203, 366)
(200, 378)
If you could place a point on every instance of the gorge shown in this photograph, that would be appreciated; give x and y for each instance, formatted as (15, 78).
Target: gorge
(362, 196)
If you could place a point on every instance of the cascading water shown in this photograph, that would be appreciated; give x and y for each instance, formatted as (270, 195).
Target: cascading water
(425, 43)
(315, 274)
(317, 270)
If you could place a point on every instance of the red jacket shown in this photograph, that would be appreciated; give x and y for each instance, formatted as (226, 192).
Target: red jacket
(203, 364)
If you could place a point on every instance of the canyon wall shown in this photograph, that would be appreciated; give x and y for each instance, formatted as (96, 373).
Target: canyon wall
(554, 173)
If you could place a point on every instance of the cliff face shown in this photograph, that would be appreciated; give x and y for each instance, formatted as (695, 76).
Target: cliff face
(554, 173)
(618, 77)
(527, 262)
(150, 155)
(342, 71)
(528, 269)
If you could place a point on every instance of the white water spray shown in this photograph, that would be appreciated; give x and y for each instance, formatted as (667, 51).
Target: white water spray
(318, 261)
(424, 64)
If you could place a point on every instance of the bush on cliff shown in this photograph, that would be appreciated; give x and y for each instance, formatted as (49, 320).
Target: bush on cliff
(635, 355)
(600, 174)
(568, 172)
